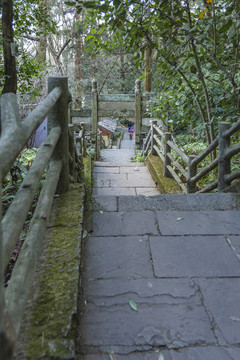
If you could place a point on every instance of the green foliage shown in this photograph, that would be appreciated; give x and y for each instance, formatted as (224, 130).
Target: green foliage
(28, 71)
(16, 175)
(115, 135)
(195, 52)
(138, 157)
(30, 20)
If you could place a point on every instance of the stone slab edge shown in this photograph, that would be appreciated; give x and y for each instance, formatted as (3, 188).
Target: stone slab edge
(49, 326)
(165, 185)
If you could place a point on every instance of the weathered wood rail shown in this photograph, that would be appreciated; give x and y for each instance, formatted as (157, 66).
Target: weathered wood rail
(185, 172)
(57, 156)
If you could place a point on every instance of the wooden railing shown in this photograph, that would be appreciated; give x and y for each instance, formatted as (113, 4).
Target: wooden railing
(58, 157)
(185, 171)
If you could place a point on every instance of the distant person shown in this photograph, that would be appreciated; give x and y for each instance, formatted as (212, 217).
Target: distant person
(129, 125)
(131, 134)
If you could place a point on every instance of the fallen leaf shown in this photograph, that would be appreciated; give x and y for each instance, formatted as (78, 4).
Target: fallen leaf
(133, 305)
(160, 356)
(112, 356)
(85, 233)
(180, 218)
(234, 318)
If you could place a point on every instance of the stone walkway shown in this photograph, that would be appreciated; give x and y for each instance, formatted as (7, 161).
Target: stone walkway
(122, 155)
(161, 274)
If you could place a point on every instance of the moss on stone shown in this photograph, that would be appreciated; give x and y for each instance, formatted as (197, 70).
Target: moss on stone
(52, 331)
(166, 185)
(88, 165)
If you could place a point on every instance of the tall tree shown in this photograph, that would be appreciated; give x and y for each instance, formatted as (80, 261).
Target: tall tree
(10, 72)
(196, 45)
(78, 60)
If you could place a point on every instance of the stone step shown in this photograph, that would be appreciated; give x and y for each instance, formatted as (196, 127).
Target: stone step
(167, 202)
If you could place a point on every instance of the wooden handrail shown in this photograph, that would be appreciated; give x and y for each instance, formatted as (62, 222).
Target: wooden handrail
(162, 146)
(57, 155)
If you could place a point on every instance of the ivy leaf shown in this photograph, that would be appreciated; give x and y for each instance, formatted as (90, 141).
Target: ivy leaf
(133, 305)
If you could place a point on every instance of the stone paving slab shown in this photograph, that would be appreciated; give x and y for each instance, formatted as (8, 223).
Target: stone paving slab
(147, 191)
(151, 290)
(117, 164)
(193, 256)
(196, 353)
(133, 182)
(151, 325)
(134, 169)
(133, 260)
(105, 169)
(177, 257)
(125, 191)
(198, 222)
(105, 180)
(140, 175)
(222, 298)
(124, 180)
(122, 224)
(187, 202)
(234, 243)
(163, 202)
(117, 155)
(105, 202)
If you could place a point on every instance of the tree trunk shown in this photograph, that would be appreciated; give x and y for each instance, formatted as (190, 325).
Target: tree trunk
(78, 64)
(10, 82)
(147, 84)
(41, 54)
(122, 73)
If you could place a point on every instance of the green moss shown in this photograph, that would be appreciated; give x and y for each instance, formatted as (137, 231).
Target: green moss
(88, 165)
(166, 185)
(52, 331)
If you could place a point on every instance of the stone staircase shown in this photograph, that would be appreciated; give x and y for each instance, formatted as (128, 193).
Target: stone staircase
(160, 273)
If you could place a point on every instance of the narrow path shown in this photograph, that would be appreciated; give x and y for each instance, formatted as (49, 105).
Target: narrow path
(161, 274)
(122, 155)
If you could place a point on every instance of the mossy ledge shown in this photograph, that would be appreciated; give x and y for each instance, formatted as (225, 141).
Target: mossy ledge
(49, 329)
(165, 185)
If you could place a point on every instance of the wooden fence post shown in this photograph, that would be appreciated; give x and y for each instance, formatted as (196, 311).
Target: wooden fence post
(224, 165)
(138, 96)
(58, 116)
(192, 171)
(153, 151)
(95, 118)
(72, 163)
(83, 151)
(167, 150)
